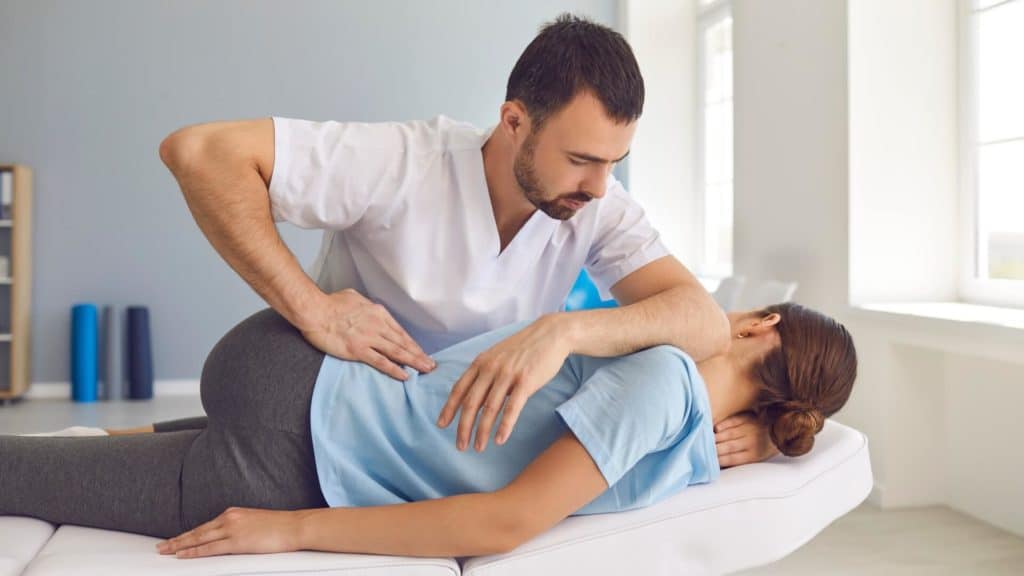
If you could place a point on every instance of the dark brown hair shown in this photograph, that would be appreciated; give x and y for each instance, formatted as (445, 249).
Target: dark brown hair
(806, 379)
(573, 54)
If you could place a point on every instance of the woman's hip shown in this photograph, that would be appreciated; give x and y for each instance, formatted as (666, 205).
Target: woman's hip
(262, 371)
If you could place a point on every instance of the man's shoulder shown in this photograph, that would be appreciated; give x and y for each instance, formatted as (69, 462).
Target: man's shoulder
(443, 134)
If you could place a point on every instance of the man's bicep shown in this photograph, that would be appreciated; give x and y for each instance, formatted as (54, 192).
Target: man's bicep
(654, 277)
(334, 175)
(563, 479)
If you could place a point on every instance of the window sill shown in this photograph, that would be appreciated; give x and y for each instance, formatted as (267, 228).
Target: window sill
(956, 327)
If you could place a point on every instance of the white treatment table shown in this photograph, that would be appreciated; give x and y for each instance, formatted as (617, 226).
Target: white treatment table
(753, 515)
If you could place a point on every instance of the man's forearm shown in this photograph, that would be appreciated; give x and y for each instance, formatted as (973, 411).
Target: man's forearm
(683, 316)
(462, 525)
(228, 199)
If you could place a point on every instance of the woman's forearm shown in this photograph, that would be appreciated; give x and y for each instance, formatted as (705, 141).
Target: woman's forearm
(462, 525)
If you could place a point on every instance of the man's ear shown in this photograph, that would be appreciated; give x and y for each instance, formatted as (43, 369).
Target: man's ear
(514, 119)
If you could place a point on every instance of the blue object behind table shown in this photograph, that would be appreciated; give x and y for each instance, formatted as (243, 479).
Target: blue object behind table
(140, 356)
(84, 352)
(585, 295)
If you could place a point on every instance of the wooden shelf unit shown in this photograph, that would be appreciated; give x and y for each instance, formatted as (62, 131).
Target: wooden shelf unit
(17, 343)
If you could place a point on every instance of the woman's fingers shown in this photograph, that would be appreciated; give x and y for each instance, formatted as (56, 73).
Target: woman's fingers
(731, 422)
(208, 532)
(730, 447)
(214, 548)
(730, 434)
(734, 459)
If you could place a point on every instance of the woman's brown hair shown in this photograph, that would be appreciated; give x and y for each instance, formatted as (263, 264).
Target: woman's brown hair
(806, 379)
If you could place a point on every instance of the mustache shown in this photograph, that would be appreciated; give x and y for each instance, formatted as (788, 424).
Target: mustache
(579, 196)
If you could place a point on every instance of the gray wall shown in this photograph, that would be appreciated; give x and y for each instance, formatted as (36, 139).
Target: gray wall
(89, 89)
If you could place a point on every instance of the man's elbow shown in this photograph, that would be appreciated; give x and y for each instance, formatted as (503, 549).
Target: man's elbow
(177, 148)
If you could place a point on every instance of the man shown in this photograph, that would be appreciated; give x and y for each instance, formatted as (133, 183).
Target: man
(453, 231)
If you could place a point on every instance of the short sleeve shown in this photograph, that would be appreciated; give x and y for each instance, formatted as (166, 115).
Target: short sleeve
(623, 242)
(629, 407)
(332, 175)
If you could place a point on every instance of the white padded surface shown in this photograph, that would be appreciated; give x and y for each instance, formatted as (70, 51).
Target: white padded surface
(20, 539)
(81, 551)
(753, 515)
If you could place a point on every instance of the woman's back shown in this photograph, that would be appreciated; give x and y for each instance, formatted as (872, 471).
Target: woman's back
(643, 417)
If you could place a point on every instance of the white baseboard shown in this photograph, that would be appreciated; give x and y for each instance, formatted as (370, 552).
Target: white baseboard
(160, 388)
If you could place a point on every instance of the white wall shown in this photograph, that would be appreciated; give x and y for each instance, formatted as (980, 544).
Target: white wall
(791, 146)
(661, 33)
(845, 181)
(941, 420)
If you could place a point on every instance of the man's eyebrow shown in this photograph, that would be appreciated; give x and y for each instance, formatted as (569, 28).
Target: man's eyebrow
(592, 158)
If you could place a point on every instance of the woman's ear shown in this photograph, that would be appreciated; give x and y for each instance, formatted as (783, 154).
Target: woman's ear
(760, 325)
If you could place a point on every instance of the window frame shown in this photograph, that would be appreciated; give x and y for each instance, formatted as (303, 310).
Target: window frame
(707, 16)
(971, 288)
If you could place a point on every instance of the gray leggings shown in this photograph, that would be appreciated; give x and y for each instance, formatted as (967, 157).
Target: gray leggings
(253, 448)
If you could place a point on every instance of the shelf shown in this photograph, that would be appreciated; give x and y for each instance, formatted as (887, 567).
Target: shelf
(5, 337)
(5, 223)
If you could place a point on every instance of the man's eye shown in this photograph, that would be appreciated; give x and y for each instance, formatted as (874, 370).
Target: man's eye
(575, 162)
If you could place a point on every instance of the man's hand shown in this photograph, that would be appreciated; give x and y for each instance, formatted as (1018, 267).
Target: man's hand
(740, 439)
(515, 367)
(238, 531)
(350, 326)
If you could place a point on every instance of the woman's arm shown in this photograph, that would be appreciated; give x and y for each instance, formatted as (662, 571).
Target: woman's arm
(557, 483)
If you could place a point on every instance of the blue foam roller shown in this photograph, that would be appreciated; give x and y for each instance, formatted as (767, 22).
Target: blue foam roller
(140, 355)
(84, 352)
(110, 374)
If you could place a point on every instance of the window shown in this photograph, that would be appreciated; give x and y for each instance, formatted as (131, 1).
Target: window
(714, 148)
(992, 151)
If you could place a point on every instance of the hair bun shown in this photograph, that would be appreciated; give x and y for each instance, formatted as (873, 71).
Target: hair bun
(792, 426)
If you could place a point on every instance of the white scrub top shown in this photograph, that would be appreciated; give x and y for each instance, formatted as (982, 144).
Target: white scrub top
(408, 223)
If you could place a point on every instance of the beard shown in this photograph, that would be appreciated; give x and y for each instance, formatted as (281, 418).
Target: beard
(526, 176)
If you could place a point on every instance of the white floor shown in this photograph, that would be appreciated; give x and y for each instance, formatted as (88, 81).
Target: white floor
(933, 540)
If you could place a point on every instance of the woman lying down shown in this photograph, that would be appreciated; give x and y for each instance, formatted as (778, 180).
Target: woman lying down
(301, 450)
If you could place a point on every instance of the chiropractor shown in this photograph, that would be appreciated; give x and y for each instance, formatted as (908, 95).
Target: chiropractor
(435, 231)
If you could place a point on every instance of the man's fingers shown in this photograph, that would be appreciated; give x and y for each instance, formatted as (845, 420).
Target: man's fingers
(470, 405)
(492, 405)
(513, 406)
(406, 340)
(396, 353)
(455, 396)
(378, 361)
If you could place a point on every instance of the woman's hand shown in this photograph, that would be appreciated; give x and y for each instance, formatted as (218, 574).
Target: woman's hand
(740, 439)
(238, 531)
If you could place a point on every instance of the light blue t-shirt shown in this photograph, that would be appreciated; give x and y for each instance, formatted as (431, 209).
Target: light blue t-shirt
(644, 418)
